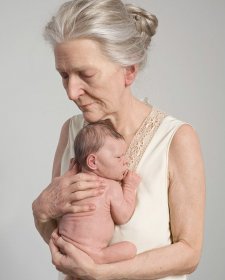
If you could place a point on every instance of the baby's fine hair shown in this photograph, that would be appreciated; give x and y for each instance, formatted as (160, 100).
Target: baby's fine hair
(123, 31)
(91, 138)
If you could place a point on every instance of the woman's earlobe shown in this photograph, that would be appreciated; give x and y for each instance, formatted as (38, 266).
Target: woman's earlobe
(130, 74)
(91, 162)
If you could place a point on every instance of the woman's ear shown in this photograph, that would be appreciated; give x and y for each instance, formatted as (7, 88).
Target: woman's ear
(130, 74)
(91, 161)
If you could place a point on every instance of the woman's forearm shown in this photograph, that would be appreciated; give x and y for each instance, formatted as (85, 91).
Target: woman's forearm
(45, 228)
(44, 224)
(43, 217)
(176, 259)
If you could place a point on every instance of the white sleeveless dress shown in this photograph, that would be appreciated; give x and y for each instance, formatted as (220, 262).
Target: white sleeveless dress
(148, 154)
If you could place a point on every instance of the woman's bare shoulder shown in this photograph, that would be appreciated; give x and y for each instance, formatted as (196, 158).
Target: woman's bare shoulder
(185, 151)
(185, 136)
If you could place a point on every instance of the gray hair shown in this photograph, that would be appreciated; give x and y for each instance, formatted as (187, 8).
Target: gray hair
(124, 31)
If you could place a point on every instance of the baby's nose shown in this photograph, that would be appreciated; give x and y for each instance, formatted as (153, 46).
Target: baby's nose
(125, 161)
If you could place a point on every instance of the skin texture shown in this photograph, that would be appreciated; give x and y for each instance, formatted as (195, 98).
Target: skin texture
(113, 99)
(115, 205)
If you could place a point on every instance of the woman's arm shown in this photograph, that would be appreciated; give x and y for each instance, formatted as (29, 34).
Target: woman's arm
(186, 203)
(42, 218)
(59, 196)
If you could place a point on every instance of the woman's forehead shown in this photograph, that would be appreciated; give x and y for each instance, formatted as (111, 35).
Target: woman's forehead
(82, 53)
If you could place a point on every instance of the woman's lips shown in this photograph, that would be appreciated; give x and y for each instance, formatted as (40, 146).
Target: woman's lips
(85, 106)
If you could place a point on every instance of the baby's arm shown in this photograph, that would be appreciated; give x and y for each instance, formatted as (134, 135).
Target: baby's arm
(123, 199)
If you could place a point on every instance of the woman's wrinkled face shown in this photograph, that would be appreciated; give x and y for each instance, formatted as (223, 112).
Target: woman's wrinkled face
(90, 79)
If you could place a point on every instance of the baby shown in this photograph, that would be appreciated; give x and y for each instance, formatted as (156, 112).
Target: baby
(101, 150)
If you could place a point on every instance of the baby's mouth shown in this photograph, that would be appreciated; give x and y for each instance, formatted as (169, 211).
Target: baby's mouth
(125, 173)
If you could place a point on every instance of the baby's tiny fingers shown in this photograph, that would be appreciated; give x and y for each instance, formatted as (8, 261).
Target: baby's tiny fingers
(80, 195)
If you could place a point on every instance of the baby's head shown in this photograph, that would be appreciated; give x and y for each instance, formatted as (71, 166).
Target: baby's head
(101, 149)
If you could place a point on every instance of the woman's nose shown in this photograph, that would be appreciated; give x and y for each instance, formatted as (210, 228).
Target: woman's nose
(74, 88)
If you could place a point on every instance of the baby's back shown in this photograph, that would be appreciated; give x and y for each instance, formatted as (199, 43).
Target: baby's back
(90, 229)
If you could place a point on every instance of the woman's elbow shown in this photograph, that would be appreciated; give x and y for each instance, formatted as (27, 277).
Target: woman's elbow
(193, 261)
(190, 258)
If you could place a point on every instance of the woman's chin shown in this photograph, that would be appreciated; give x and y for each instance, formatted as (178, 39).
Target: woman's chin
(91, 117)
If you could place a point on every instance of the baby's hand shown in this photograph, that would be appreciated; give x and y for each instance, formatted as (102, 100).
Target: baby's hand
(132, 179)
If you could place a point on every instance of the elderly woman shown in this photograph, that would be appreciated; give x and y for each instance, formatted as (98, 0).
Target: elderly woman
(99, 47)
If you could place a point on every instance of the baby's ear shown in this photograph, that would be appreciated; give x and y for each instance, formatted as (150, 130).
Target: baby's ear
(91, 162)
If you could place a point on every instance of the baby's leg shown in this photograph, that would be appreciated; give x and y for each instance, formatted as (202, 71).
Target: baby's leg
(116, 252)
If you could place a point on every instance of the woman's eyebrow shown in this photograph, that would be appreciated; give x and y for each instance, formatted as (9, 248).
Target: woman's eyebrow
(76, 69)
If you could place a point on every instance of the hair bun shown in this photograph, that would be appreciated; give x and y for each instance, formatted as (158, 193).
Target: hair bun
(146, 23)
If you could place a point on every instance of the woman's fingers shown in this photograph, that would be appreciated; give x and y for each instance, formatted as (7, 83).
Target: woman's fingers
(59, 251)
(85, 177)
(62, 245)
(86, 185)
(56, 254)
(80, 195)
(69, 259)
(61, 194)
(64, 191)
(71, 208)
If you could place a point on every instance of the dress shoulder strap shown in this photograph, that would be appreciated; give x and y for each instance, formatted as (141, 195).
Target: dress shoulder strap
(76, 123)
(143, 137)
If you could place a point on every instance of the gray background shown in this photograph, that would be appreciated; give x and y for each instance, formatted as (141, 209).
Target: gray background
(185, 78)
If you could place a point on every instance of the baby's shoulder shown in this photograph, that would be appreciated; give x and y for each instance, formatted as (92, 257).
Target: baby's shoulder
(112, 188)
(112, 183)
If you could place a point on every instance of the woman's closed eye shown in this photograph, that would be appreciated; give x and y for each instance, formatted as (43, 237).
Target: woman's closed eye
(86, 75)
(64, 75)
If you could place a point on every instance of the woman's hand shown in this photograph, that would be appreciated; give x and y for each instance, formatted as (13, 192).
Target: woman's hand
(72, 261)
(60, 196)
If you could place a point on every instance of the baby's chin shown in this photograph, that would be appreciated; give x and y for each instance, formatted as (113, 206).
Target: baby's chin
(119, 178)
(122, 176)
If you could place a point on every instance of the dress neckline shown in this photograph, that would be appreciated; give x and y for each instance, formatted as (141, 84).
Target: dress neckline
(143, 137)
